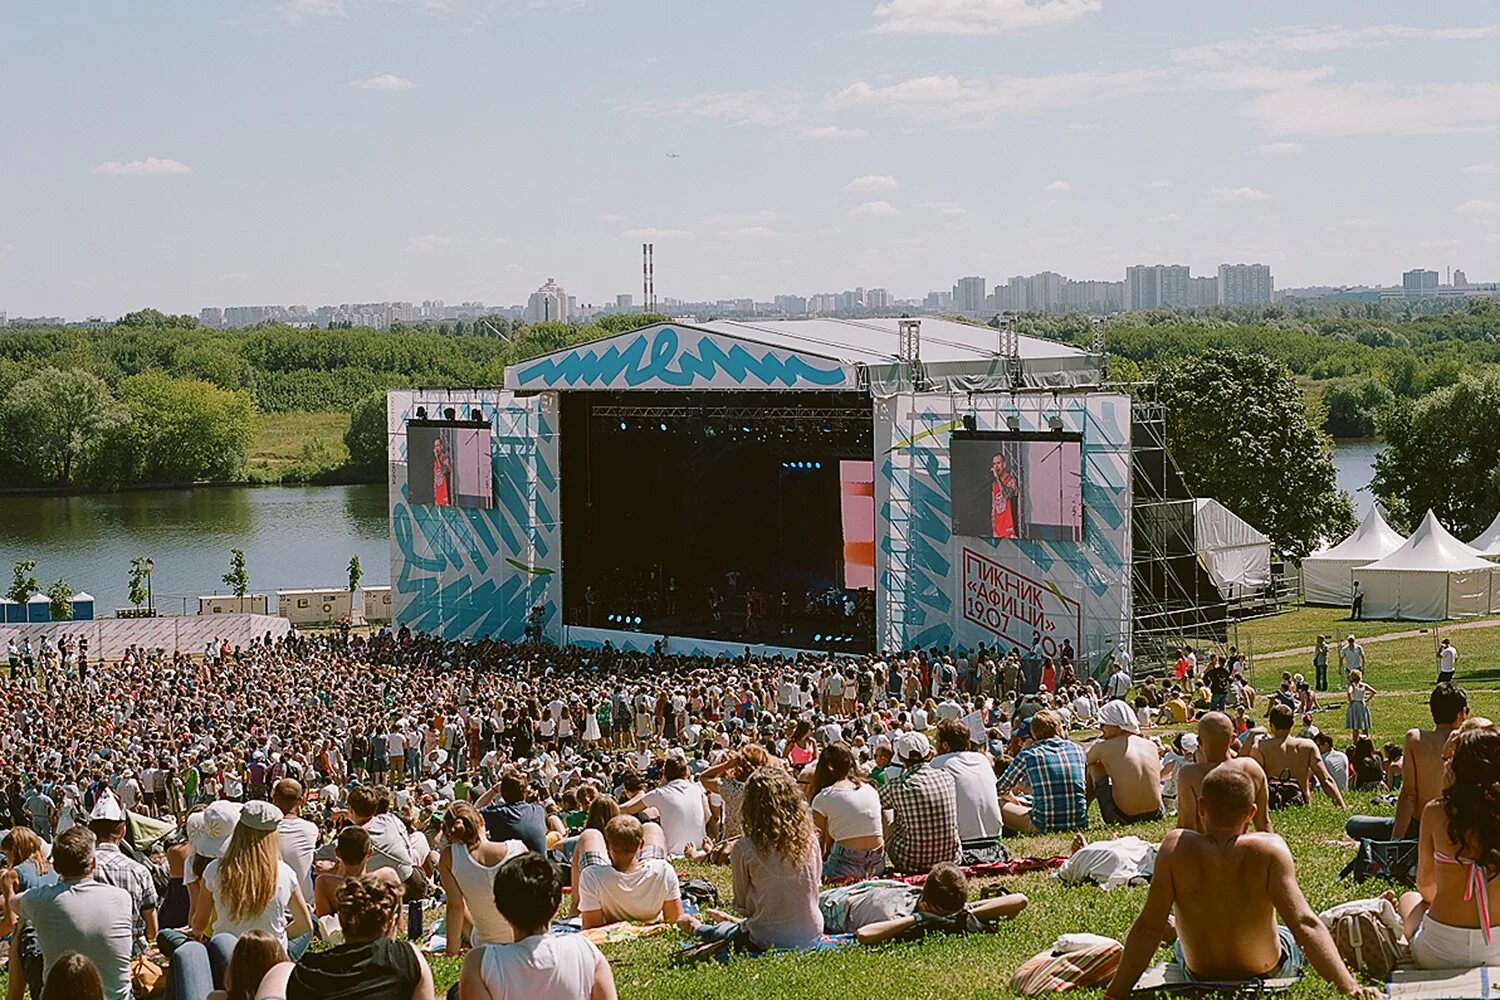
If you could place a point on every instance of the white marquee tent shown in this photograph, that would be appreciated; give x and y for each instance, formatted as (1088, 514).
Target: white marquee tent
(1328, 576)
(1488, 543)
(1234, 554)
(1431, 577)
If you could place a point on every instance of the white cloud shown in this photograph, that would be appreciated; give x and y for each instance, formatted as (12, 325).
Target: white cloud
(653, 233)
(1169, 217)
(1082, 127)
(872, 182)
(833, 132)
(1158, 185)
(874, 208)
(1482, 168)
(943, 207)
(1377, 109)
(1480, 207)
(1058, 187)
(425, 244)
(1238, 194)
(1280, 148)
(385, 81)
(977, 17)
(151, 166)
(1051, 203)
(974, 102)
(750, 232)
(785, 110)
(609, 217)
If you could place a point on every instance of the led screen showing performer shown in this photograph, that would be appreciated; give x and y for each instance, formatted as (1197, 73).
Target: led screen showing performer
(1017, 486)
(448, 464)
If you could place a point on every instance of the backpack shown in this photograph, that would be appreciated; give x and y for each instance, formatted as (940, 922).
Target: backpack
(1284, 791)
(1367, 934)
(700, 892)
(1394, 860)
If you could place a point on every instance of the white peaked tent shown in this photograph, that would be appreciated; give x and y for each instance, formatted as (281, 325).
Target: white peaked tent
(1431, 577)
(1488, 543)
(1328, 576)
(1234, 554)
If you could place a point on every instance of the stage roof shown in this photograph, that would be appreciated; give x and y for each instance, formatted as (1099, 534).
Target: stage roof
(800, 354)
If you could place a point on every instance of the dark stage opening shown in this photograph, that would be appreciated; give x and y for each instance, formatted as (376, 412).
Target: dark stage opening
(718, 515)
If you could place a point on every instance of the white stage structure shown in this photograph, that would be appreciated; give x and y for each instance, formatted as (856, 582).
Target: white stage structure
(1328, 576)
(1431, 577)
(1488, 543)
(1233, 553)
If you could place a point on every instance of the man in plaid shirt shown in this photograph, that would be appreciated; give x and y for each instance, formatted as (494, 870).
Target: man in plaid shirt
(924, 804)
(1054, 769)
(112, 867)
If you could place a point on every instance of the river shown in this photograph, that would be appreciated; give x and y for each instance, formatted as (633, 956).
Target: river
(292, 537)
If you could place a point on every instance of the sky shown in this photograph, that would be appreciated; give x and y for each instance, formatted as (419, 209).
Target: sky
(182, 154)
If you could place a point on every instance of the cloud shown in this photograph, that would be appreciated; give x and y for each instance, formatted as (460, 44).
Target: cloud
(1058, 187)
(1051, 203)
(833, 132)
(943, 207)
(1480, 207)
(1158, 185)
(385, 81)
(874, 208)
(1169, 217)
(872, 182)
(1482, 168)
(750, 232)
(653, 233)
(1082, 127)
(967, 103)
(609, 217)
(151, 166)
(1238, 194)
(756, 217)
(784, 110)
(1280, 148)
(1377, 109)
(425, 244)
(977, 17)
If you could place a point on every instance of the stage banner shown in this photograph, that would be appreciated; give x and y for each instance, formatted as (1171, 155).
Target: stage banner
(466, 572)
(668, 356)
(1043, 494)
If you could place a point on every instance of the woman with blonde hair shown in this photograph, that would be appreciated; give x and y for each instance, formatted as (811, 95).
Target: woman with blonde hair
(252, 887)
(467, 865)
(776, 867)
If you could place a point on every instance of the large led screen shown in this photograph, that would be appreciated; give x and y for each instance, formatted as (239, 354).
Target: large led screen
(1020, 486)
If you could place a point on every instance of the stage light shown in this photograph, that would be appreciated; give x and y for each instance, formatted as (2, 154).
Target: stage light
(476, 416)
(421, 413)
(1055, 422)
(969, 422)
(1013, 422)
(745, 429)
(663, 426)
(450, 413)
(637, 619)
(818, 637)
(817, 465)
(622, 425)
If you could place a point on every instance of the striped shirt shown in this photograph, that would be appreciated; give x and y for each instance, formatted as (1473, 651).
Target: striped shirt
(112, 867)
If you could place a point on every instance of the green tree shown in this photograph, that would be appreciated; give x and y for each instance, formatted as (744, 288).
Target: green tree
(60, 600)
(238, 577)
(356, 571)
(1443, 454)
(183, 430)
(1354, 404)
(23, 582)
(140, 569)
(1238, 426)
(55, 422)
(366, 436)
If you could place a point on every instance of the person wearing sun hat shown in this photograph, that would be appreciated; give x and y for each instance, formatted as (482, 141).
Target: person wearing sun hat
(112, 867)
(1124, 769)
(251, 886)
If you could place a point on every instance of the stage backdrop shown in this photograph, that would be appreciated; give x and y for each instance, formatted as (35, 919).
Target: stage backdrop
(942, 589)
(463, 572)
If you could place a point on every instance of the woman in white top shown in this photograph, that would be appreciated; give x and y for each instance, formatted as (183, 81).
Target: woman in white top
(467, 868)
(251, 886)
(846, 812)
(539, 965)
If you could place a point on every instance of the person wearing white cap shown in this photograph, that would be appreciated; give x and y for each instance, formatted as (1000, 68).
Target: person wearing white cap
(923, 803)
(1124, 769)
(251, 886)
(112, 867)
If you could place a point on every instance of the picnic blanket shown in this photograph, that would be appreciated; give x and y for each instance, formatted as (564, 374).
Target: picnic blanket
(1482, 983)
(1172, 978)
(1019, 866)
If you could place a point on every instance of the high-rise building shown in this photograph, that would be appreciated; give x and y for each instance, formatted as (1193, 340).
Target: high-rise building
(1158, 286)
(969, 295)
(791, 305)
(938, 300)
(1245, 285)
(1203, 292)
(3, 320)
(211, 316)
(1094, 296)
(1419, 281)
(548, 304)
(877, 298)
(1460, 280)
(625, 301)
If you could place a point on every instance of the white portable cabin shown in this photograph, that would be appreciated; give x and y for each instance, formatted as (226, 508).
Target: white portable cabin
(377, 604)
(1431, 577)
(315, 607)
(1328, 576)
(228, 604)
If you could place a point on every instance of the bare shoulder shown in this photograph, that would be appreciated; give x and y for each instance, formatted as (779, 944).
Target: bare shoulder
(1249, 765)
(1269, 845)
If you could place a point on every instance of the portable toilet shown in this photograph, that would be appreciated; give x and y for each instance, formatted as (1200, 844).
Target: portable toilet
(39, 608)
(83, 607)
(377, 602)
(11, 613)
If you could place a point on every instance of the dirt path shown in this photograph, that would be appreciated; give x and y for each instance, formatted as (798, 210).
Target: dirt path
(1386, 637)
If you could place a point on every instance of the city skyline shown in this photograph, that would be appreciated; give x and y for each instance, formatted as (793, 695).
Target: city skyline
(349, 150)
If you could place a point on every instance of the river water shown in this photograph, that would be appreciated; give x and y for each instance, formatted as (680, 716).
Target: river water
(292, 536)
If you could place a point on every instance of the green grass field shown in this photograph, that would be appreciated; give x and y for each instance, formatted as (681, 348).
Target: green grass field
(295, 446)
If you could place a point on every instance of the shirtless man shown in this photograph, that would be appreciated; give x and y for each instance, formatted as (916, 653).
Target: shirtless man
(1124, 769)
(352, 852)
(1197, 872)
(1421, 769)
(1282, 752)
(1215, 736)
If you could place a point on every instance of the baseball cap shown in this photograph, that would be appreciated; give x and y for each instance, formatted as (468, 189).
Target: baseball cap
(260, 815)
(911, 745)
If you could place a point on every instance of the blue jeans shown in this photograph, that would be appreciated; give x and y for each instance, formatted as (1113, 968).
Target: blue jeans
(844, 862)
(1110, 813)
(197, 970)
(732, 931)
(1290, 967)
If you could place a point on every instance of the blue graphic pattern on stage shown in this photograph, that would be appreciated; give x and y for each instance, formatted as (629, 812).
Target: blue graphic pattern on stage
(656, 359)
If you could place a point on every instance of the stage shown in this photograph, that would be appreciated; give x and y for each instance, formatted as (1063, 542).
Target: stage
(851, 487)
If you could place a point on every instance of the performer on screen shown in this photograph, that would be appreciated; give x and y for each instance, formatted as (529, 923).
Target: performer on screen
(442, 473)
(1003, 492)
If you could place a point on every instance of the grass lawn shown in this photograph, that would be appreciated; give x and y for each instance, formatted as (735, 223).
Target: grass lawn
(291, 442)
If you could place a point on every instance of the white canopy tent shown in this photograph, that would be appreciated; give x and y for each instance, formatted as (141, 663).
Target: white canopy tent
(1431, 577)
(1328, 576)
(1488, 542)
(1235, 555)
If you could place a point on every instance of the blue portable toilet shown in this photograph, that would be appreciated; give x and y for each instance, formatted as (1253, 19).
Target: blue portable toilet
(39, 608)
(83, 607)
(12, 613)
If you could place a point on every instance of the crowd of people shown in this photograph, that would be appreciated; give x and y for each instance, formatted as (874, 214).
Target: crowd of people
(232, 808)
